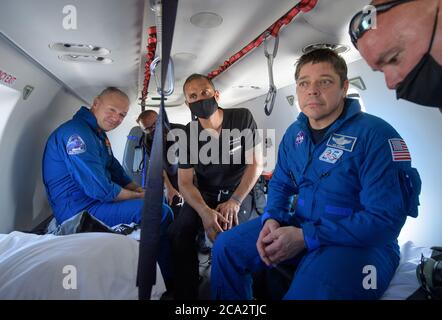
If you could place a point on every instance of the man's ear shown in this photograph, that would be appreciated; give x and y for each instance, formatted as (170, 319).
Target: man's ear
(216, 95)
(187, 103)
(345, 87)
(95, 103)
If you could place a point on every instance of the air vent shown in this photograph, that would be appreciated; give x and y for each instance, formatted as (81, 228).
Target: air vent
(79, 48)
(247, 87)
(85, 58)
(358, 83)
(338, 48)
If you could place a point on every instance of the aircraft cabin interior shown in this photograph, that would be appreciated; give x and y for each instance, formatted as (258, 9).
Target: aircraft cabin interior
(58, 55)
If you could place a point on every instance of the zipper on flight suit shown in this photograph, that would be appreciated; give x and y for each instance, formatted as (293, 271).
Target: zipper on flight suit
(292, 177)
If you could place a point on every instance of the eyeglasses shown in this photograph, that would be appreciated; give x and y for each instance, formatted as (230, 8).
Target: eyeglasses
(361, 22)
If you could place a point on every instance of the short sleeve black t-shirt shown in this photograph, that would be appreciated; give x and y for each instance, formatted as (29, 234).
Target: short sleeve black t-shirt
(219, 162)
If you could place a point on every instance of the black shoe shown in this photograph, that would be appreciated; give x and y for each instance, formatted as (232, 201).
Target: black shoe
(204, 249)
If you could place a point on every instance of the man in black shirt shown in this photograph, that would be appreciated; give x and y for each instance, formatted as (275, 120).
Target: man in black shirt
(223, 153)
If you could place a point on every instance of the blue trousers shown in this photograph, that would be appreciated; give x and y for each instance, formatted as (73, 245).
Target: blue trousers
(127, 211)
(330, 272)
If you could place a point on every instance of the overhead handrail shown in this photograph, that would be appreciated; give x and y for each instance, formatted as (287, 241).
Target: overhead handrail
(273, 30)
(271, 94)
(170, 77)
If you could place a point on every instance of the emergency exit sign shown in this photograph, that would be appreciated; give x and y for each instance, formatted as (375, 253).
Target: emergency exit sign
(7, 78)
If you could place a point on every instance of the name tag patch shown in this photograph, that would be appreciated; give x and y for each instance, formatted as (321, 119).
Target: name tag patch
(235, 145)
(331, 155)
(342, 142)
(75, 145)
(234, 150)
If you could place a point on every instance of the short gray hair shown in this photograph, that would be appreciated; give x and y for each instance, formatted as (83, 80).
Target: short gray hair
(110, 90)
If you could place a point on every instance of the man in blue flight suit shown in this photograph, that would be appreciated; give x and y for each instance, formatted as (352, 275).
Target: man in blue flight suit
(80, 172)
(355, 185)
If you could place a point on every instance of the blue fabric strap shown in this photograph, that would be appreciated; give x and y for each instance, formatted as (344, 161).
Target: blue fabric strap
(133, 138)
(153, 200)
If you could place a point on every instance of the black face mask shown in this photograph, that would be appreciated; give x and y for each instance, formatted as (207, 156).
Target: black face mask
(423, 85)
(204, 108)
(150, 135)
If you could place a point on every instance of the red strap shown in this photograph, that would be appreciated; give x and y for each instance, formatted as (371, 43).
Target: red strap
(273, 30)
(151, 48)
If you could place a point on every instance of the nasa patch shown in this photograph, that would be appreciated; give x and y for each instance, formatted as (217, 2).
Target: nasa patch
(342, 142)
(300, 138)
(75, 145)
(331, 155)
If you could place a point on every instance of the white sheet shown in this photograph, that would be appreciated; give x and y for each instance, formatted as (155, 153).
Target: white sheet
(31, 266)
(404, 282)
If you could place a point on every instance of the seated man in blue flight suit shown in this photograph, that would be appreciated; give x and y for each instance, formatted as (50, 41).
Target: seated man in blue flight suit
(80, 172)
(352, 174)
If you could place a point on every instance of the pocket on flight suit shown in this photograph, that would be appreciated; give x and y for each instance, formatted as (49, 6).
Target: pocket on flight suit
(410, 184)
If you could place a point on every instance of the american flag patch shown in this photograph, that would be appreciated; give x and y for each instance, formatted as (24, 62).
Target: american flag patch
(399, 150)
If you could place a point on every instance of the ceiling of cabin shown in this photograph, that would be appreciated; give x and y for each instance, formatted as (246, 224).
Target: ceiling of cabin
(121, 26)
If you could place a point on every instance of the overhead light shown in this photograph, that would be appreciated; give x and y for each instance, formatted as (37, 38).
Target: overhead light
(79, 48)
(184, 56)
(206, 20)
(338, 48)
(85, 58)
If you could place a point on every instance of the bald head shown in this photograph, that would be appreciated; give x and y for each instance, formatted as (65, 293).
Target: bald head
(114, 91)
(400, 39)
(110, 107)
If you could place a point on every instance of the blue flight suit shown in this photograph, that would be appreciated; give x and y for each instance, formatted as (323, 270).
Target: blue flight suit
(81, 173)
(355, 189)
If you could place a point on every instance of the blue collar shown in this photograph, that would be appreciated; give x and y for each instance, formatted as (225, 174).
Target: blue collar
(351, 108)
(86, 115)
